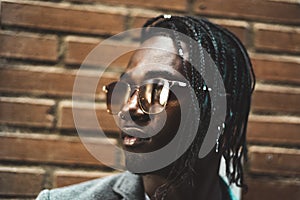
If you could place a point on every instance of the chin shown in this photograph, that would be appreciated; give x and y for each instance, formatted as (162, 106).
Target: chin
(134, 163)
(139, 164)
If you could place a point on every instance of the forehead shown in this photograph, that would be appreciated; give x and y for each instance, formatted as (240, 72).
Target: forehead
(156, 57)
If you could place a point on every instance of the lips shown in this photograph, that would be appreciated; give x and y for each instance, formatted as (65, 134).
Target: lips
(132, 137)
(134, 141)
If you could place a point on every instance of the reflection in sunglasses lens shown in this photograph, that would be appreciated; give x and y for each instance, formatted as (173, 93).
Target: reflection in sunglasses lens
(153, 96)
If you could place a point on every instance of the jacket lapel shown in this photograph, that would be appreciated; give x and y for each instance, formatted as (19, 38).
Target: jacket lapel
(130, 187)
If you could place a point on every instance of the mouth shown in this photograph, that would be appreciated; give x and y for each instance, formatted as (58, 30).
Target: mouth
(130, 137)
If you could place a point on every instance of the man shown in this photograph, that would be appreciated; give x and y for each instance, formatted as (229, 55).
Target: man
(177, 92)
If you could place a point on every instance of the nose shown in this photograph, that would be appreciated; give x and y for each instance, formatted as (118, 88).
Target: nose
(132, 111)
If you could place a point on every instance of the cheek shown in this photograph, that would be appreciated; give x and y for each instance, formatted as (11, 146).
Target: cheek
(177, 113)
(173, 113)
(173, 120)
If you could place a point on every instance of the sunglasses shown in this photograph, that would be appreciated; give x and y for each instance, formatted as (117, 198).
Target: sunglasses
(153, 95)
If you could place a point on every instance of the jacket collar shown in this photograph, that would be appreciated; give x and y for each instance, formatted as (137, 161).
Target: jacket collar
(130, 186)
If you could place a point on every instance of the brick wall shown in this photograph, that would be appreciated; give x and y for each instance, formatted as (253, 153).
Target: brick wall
(42, 44)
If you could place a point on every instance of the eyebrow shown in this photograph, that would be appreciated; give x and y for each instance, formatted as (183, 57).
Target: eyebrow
(160, 74)
(151, 74)
(126, 77)
(123, 74)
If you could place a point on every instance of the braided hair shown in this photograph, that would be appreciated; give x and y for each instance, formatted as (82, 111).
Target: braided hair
(234, 65)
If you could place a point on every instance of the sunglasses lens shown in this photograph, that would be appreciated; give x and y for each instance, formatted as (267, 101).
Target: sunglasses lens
(154, 96)
(117, 95)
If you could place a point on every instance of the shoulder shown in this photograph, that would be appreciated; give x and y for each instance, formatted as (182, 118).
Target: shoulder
(95, 189)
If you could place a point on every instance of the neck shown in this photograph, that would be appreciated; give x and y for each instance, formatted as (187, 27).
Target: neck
(205, 183)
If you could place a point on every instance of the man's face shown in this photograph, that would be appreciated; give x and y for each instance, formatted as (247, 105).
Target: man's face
(151, 131)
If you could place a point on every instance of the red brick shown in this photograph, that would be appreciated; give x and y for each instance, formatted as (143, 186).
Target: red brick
(21, 181)
(276, 68)
(52, 149)
(62, 17)
(48, 81)
(169, 5)
(274, 189)
(277, 38)
(28, 46)
(274, 11)
(282, 130)
(26, 111)
(268, 98)
(139, 19)
(85, 120)
(274, 160)
(78, 48)
(64, 177)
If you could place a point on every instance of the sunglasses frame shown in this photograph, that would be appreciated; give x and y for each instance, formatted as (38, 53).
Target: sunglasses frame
(134, 88)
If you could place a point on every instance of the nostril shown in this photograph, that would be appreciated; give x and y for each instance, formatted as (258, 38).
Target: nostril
(139, 117)
(135, 115)
(121, 115)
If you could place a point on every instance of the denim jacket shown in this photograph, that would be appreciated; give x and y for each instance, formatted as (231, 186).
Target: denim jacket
(124, 186)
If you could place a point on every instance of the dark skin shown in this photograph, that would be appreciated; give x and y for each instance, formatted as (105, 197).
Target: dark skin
(206, 181)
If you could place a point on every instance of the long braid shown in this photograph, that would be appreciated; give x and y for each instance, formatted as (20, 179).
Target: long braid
(240, 147)
(236, 70)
